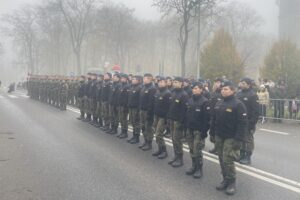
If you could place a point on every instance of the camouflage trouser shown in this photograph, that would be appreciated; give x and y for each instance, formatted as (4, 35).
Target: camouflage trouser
(63, 100)
(227, 155)
(114, 116)
(81, 104)
(146, 125)
(177, 134)
(134, 117)
(105, 113)
(159, 126)
(248, 145)
(56, 100)
(123, 114)
(94, 107)
(196, 144)
(76, 100)
(99, 111)
(87, 105)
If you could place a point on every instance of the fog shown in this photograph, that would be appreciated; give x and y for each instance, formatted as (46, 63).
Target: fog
(144, 45)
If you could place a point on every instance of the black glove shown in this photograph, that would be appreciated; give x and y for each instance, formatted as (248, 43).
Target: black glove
(237, 145)
(203, 135)
(212, 139)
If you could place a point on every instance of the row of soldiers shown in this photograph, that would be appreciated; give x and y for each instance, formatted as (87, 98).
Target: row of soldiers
(156, 105)
(58, 91)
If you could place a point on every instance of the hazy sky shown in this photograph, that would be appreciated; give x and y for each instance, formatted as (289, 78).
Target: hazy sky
(266, 8)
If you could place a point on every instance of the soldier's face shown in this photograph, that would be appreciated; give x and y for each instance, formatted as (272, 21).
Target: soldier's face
(169, 82)
(197, 90)
(106, 77)
(123, 80)
(243, 85)
(162, 84)
(217, 84)
(135, 81)
(177, 84)
(147, 80)
(227, 91)
(185, 84)
(116, 79)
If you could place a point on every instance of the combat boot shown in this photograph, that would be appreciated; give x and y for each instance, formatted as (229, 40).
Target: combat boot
(105, 128)
(242, 155)
(173, 160)
(143, 144)
(136, 139)
(223, 185)
(231, 188)
(192, 170)
(159, 151)
(130, 139)
(198, 172)
(148, 146)
(114, 131)
(246, 160)
(178, 162)
(163, 154)
(100, 123)
(109, 130)
(124, 134)
(81, 117)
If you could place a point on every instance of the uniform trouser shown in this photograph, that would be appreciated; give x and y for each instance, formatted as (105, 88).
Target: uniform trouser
(99, 111)
(227, 155)
(105, 113)
(114, 116)
(123, 117)
(196, 144)
(63, 100)
(177, 134)
(134, 117)
(248, 144)
(146, 125)
(159, 126)
(87, 105)
(94, 108)
(81, 104)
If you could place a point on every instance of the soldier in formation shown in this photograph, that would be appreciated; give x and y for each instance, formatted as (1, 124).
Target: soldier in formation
(158, 107)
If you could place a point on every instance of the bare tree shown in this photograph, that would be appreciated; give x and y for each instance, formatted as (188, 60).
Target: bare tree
(185, 10)
(77, 15)
(21, 27)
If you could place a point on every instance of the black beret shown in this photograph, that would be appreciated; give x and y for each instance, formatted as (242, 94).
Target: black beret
(161, 78)
(228, 83)
(198, 84)
(148, 75)
(246, 80)
(218, 79)
(179, 79)
(117, 75)
(125, 76)
(109, 74)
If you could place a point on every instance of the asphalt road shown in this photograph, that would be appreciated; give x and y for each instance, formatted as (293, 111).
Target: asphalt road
(48, 154)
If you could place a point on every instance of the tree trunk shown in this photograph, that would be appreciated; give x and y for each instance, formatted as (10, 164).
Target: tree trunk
(78, 62)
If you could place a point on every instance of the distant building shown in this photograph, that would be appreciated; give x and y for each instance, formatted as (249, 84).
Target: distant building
(289, 20)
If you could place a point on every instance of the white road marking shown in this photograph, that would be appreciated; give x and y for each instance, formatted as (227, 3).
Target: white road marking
(253, 174)
(12, 96)
(272, 131)
(251, 171)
